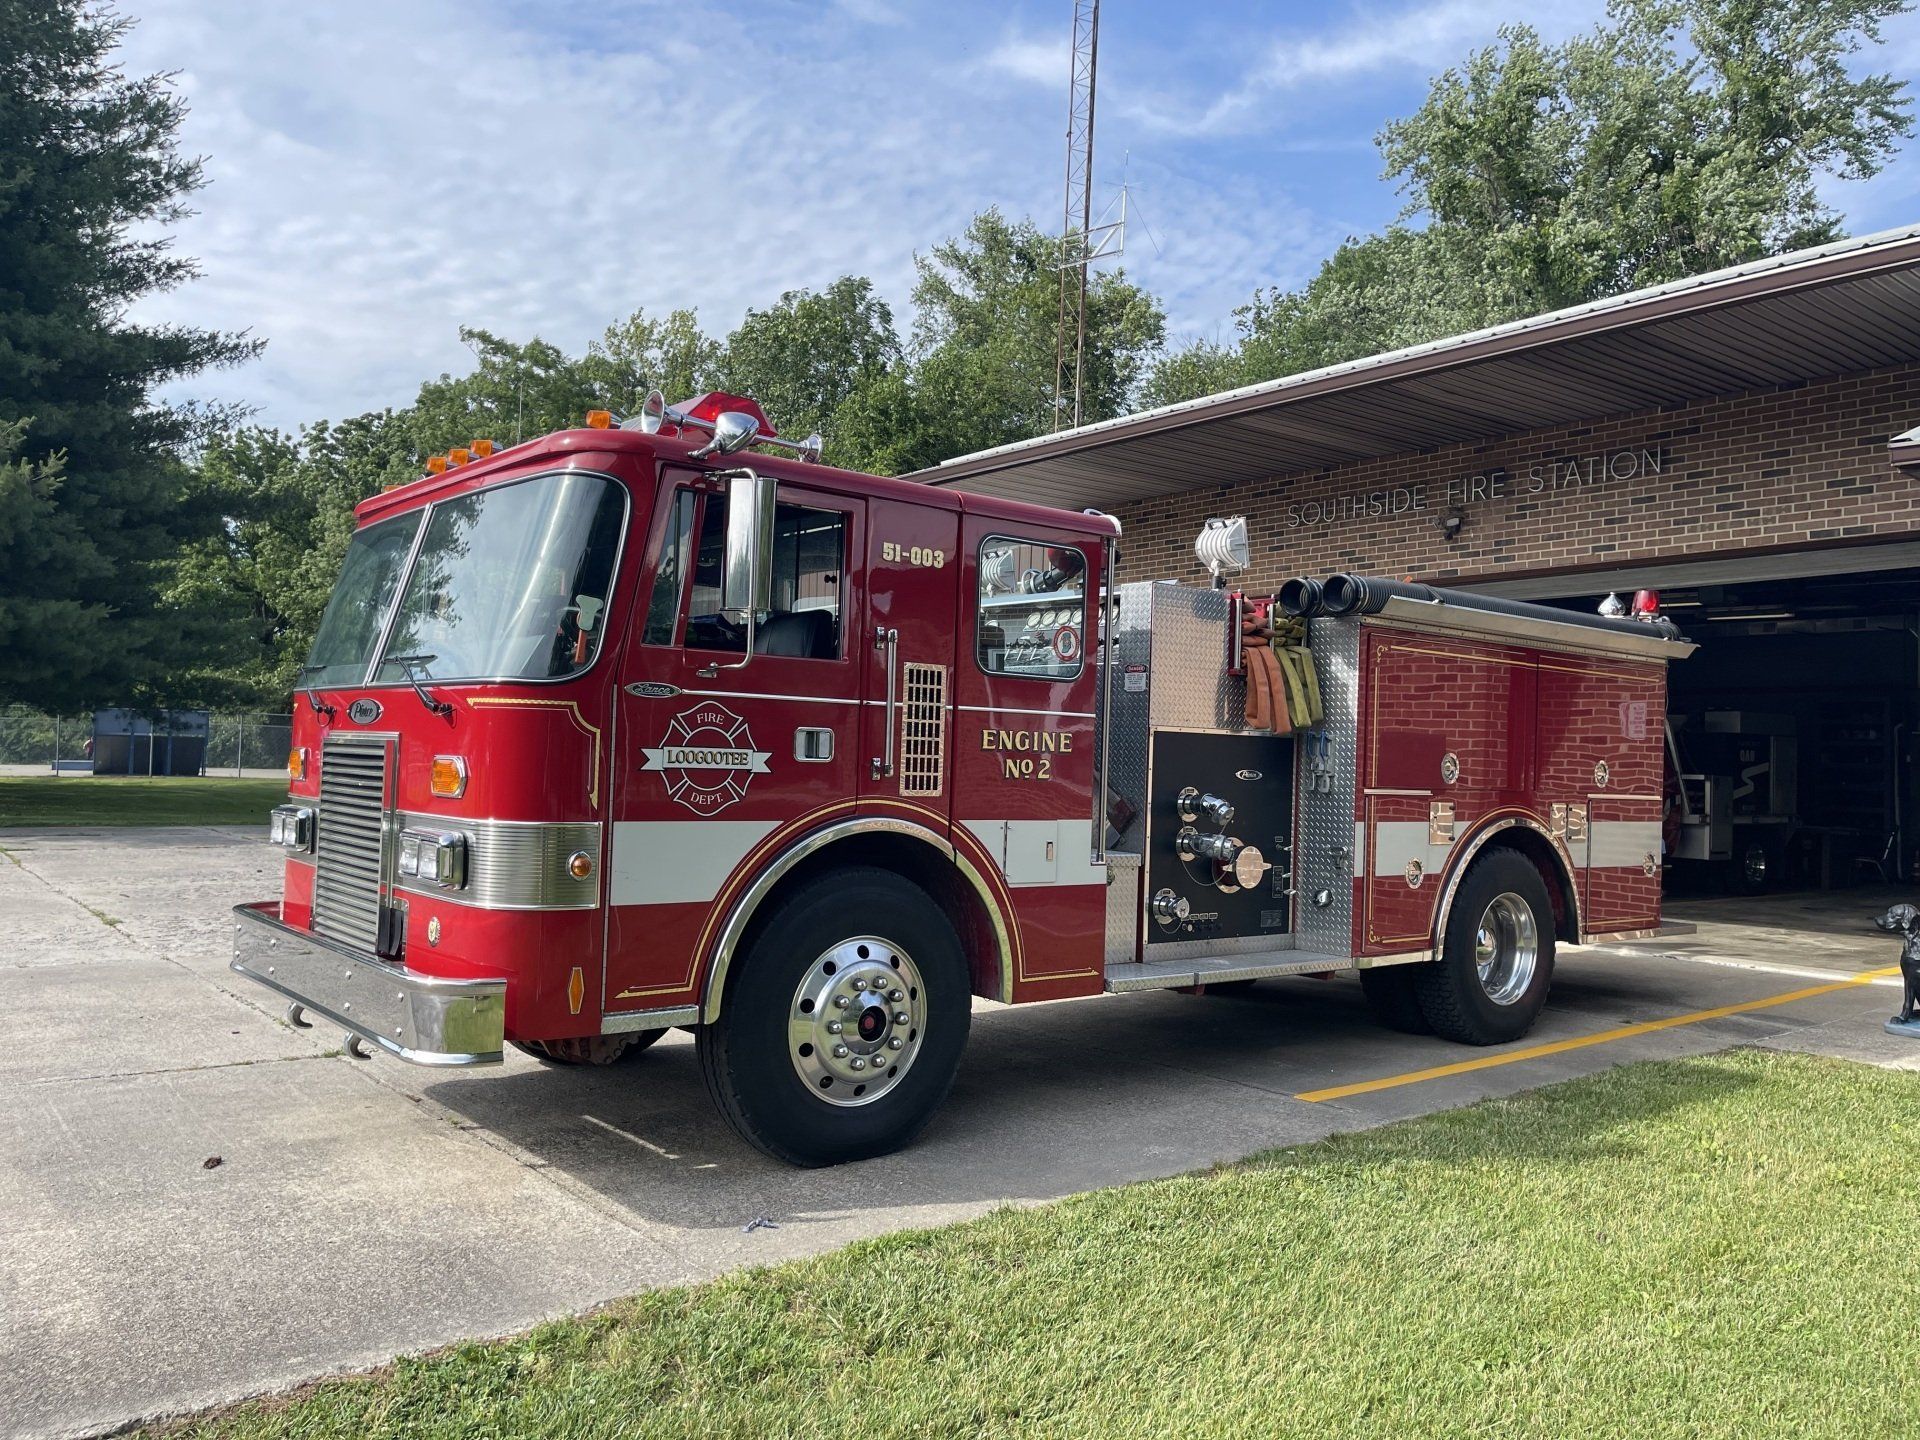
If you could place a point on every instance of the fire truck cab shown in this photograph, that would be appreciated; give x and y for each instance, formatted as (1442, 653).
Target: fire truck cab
(634, 727)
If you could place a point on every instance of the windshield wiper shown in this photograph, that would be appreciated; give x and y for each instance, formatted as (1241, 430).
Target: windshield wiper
(406, 664)
(317, 705)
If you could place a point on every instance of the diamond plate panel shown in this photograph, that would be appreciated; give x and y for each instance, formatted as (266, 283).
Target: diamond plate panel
(1324, 856)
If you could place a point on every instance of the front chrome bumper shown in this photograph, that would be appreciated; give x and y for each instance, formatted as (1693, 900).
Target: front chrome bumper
(425, 1019)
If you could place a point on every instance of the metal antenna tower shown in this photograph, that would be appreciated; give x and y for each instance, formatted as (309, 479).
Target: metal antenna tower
(1070, 343)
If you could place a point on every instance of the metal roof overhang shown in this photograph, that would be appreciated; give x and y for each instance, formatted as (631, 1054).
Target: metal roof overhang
(1846, 307)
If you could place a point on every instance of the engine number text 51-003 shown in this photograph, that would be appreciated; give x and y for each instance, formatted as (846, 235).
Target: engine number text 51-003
(895, 554)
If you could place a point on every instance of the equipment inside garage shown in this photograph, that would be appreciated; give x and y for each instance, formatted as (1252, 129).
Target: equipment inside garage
(1791, 732)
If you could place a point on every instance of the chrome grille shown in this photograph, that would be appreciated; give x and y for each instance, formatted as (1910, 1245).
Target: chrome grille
(923, 729)
(350, 843)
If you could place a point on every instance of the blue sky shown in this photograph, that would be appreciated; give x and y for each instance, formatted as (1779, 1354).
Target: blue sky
(382, 173)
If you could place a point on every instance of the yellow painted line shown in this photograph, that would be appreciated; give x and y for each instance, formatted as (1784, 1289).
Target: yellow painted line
(1581, 1042)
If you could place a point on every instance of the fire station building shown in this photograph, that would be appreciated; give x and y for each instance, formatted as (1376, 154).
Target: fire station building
(1747, 443)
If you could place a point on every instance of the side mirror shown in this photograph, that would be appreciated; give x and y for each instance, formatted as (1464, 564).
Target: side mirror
(747, 580)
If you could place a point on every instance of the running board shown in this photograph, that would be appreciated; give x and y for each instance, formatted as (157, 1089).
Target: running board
(1182, 974)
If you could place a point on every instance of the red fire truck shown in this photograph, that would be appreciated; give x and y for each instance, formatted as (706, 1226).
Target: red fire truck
(610, 732)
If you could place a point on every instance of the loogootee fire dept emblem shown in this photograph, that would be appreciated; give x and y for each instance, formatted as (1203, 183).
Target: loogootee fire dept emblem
(706, 758)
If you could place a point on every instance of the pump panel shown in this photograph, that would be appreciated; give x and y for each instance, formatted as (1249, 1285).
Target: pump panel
(1201, 882)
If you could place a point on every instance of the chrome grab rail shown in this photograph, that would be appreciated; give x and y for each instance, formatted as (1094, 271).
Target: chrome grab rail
(887, 639)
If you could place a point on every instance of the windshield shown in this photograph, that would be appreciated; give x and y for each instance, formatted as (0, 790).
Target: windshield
(357, 611)
(511, 582)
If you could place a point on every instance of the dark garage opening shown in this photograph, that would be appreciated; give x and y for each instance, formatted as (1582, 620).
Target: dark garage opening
(1793, 725)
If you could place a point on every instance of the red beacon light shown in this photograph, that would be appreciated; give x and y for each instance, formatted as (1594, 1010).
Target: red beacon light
(1646, 604)
(733, 421)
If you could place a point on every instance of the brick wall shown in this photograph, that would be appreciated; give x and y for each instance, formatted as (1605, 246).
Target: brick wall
(1800, 465)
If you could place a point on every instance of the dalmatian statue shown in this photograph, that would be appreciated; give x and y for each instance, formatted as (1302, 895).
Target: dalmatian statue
(1904, 921)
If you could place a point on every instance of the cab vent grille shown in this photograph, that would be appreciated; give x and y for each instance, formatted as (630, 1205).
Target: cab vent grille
(923, 729)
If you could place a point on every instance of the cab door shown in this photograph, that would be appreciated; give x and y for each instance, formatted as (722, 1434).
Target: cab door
(912, 579)
(716, 760)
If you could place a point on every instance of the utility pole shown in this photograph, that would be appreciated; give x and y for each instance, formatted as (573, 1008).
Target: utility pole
(1076, 253)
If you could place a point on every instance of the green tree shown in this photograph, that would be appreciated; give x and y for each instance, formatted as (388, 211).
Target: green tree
(516, 390)
(803, 357)
(640, 354)
(98, 497)
(986, 317)
(1678, 137)
(289, 507)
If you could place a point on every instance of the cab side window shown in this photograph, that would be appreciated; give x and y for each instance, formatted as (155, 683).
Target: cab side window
(670, 575)
(1033, 608)
(809, 565)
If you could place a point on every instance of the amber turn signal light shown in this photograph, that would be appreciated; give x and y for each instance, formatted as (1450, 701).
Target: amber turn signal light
(449, 777)
(599, 419)
(297, 763)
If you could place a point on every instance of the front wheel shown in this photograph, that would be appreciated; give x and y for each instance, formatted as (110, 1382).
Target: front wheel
(1496, 959)
(587, 1050)
(842, 1029)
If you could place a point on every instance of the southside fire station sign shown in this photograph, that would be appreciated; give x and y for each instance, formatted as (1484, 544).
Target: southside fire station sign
(1549, 475)
(706, 758)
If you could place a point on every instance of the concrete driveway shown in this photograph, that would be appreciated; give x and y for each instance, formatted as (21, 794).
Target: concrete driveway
(198, 1202)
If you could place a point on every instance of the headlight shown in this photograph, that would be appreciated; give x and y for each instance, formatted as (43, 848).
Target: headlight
(439, 856)
(291, 827)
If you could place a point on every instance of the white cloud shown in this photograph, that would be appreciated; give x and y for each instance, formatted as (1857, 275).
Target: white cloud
(1422, 38)
(872, 12)
(381, 174)
(385, 171)
(1036, 61)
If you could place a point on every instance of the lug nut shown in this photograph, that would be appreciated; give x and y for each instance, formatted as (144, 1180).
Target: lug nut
(896, 995)
(834, 1027)
(900, 1017)
(859, 985)
(841, 1002)
(840, 1052)
(857, 1063)
(896, 1043)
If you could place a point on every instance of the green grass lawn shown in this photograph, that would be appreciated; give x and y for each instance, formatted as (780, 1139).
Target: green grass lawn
(1712, 1247)
(109, 800)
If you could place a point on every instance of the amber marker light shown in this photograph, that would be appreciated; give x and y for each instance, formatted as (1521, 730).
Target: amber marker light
(437, 465)
(580, 865)
(599, 419)
(449, 776)
(459, 457)
(297, 763)
(483, 448)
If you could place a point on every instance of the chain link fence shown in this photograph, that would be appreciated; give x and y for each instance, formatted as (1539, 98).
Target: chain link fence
(237, 743)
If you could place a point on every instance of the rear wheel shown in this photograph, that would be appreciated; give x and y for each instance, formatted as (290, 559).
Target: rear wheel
(587, 1049)
(843, 1026)
(1496, 959)
(1391, 999)
(1758, 869)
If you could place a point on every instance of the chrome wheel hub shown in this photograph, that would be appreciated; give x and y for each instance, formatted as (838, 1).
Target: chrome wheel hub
(1506, 949)
(859, 1018)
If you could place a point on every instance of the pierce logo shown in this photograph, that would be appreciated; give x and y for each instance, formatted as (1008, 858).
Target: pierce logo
(364, 712)
(706, 758)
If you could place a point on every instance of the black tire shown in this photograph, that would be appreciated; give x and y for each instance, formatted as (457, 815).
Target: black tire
(1452, 995)
(1756, 868)
(752, 1059)
(1392, 1001)
(588, 1051)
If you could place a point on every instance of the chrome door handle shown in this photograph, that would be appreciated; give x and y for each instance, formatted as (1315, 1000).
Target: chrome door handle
(887, 640)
